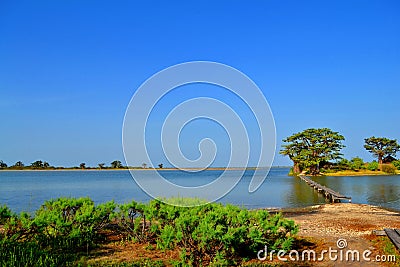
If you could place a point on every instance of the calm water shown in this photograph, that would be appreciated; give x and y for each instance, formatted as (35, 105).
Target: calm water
(27, 190)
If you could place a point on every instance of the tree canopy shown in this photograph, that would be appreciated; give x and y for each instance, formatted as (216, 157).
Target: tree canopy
(381, 147)
(2, 164)
(40, 165)
(37, 164)
(19, 164)
(310, 147)
(116, 164)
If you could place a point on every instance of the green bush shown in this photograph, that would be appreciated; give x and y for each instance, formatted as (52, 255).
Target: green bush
(344, 164)
(210, 234)
(207, 234)
(373, 166)
(65, 224)
(75, 220)
(389, 168)
(396, 163)
(217, 234)
(5, 214)
(59, 229)
(357, 164)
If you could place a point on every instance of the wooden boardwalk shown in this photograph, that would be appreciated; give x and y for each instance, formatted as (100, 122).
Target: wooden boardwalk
(394, 236)
(330, 194)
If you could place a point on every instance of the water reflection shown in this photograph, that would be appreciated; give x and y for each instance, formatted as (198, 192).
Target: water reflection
(302, 194)
(380, 190)
(382, 194)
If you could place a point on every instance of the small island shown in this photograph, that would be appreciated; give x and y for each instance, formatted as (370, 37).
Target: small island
(318, 152)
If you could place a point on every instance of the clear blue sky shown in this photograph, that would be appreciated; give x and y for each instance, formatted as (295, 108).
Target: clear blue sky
(69, 68)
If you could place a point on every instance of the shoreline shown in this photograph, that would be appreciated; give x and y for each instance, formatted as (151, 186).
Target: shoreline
(151, 169)
(334, 174)
(316, 207)
(359, 173)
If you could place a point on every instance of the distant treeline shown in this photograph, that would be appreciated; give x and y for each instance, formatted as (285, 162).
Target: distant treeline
(312, 151)
(44, 165)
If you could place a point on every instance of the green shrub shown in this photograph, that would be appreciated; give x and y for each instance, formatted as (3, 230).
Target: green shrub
(75, 220)
(389, 168)
(344, 164)
(211, 234)
(67, 223)
(218, 234)
(59, 229)
(208, 234)
(396, 163)
(357, 164)
(5, 214)
(373, 166)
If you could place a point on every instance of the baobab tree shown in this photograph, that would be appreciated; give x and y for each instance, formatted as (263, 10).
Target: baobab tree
(310, 147)
(381, 147)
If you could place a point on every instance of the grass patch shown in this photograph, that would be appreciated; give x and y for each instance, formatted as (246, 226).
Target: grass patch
(356, 173)
(184, 202)
(386, 247)
(32, 254)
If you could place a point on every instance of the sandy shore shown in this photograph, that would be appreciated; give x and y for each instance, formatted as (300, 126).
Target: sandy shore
(325, 224)
(343, 219)
(360, 173)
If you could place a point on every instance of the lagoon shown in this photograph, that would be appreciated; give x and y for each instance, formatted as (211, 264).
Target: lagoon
(27, 190)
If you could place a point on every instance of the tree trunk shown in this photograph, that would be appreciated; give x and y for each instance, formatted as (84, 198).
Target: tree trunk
(296, 168)
(314, 170)
(380, 159)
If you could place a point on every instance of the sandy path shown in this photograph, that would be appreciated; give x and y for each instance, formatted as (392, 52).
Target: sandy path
(352, 222)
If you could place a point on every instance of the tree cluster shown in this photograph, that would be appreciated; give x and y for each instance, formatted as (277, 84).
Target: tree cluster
(39, 164)
(313, 148)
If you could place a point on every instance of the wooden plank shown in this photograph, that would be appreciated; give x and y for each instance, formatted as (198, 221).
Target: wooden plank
(329, 193)
(378, 232)
(394, 237)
